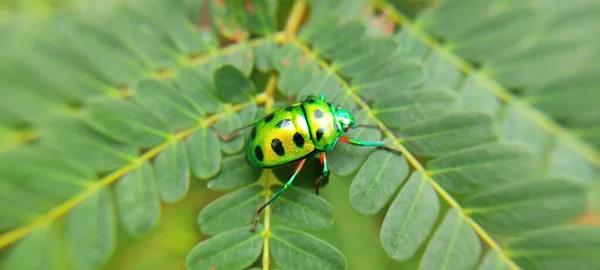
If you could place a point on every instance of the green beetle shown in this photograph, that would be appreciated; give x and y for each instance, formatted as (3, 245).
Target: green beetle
(293, 134)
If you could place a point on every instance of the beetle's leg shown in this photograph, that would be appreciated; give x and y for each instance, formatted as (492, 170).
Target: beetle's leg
(379, 145)
(234, 134)
(323, 97)
(325, 175)
(281, 191)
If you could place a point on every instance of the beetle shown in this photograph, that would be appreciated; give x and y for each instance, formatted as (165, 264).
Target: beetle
(297, 132)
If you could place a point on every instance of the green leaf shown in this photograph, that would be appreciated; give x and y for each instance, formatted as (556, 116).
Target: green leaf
(231, 211)
(410, 218)
(595, 197)
(397, 76)
(517, 207)
(44, 242)
(377, 181)
(259, 17)
(227, 16)
(137, 200)
(232, 85)
(87, 145)
(236, 249)
(126, 122)
(410, 46)
(476, 97)
(516, 128)
(302, 210)
(54, 179)
(406, 108)
(91, 231)
(294, 249)
(172, 171)
(264, 55)
(481, 167)
(226, 125)
(446, 134)
(199, 87)
(168, 104)
(20, 205)
(234, 173)
(567, 163)
(204, 149)
(453, 239)
(440, 71)
(493, 261)
(557, 248)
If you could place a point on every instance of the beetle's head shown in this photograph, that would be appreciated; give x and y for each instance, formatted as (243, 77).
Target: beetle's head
(345, 118)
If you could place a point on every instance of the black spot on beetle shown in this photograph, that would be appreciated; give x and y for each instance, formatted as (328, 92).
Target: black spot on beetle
(298, 140)
(289, 108)
(283, 123)
(310, 100)
(269, 118)
(320, 133)
(318, 114)
(253, 133)
(277, 147)
(258, 153)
